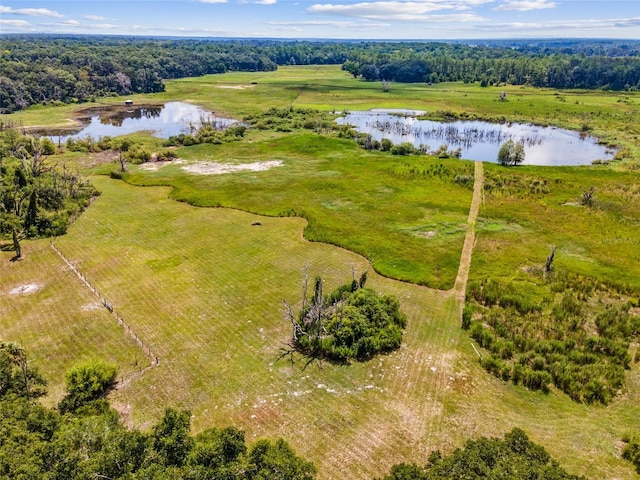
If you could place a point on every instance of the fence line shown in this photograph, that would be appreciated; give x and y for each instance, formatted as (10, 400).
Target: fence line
(109, 306)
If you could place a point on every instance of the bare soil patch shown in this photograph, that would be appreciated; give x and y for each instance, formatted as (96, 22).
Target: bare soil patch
(213, 168)
(25, 289)
(155, 166)
(236, 87)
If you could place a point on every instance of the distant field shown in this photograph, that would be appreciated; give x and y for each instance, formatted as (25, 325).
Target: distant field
(540, 207)
(610, 116)
(203, 287)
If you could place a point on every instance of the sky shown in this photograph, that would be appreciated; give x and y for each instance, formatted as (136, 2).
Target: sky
(337, 19)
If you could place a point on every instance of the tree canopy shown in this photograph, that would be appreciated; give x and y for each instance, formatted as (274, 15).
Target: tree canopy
(48, 68)
(352, 322)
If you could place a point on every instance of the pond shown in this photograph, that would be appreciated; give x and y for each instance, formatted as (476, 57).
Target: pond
(480, 140)
(172, 118)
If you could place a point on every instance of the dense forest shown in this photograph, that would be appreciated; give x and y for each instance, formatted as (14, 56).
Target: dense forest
(43, 69)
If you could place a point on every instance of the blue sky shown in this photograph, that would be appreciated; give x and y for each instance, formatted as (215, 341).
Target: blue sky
(346, 19)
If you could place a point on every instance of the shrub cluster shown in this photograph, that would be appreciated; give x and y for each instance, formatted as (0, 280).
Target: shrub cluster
(352, 322)
(207, 133)
(631, 451)
(561, 342)
(291, 119)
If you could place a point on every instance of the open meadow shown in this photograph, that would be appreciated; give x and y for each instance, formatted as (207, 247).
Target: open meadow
(203, 288)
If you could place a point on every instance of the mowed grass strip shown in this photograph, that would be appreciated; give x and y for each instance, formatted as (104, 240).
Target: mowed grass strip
(57, 319)
(204, 288)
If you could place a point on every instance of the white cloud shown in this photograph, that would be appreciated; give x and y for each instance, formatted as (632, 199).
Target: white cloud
(395, 10)
(525, 5)
(328, 23)
(66, 23)
(104, 26)
(563, 25)
(266, 2)
(213, 1)
(31, 12)
(95, 18)
(14, 23)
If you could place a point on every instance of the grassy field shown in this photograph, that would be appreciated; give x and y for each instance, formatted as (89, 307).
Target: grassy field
(540, 207)
(374, 204)
(610, 116)
(203, 287)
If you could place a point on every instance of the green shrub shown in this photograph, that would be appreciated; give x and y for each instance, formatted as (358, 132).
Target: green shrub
(352, 322)
(87, 382)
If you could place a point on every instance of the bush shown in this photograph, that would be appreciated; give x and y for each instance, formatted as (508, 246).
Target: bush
(352, 322)
(87, 382)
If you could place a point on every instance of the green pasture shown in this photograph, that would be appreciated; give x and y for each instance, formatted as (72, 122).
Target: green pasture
(611, 116)
(45, 308)
(540, 207)
(203, 288)
(410, 226)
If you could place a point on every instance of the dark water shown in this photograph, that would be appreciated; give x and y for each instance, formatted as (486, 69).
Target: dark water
(172, 118)
(481, 140)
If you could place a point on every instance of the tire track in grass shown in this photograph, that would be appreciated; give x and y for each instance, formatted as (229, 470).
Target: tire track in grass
(109, 306)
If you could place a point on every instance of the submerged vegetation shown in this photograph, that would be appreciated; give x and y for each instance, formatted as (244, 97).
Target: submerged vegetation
(45, 69)
(213, 316)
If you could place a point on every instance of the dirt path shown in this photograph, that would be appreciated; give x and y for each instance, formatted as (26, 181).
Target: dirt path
(109, 306)
(460, 287)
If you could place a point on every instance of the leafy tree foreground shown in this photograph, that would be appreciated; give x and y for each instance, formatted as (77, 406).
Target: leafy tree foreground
(88, 441)
(515, 457)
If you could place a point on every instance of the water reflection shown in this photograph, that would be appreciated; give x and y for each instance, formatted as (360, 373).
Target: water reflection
(481, 140)
(172, 118)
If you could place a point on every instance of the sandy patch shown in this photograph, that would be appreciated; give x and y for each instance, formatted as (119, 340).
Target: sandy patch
(25, 289)
(236, 87)
(155, 166)
(212, 168)
(92, 306)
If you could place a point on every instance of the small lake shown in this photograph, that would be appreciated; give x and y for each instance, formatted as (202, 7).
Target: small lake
(480, 140)
(172, 118)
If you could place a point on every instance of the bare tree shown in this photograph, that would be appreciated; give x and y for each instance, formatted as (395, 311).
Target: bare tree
(547, 264)
(587, 196)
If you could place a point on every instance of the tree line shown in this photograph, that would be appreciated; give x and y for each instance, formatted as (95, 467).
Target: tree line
(38, 69)
(37, 199)
(494, 65)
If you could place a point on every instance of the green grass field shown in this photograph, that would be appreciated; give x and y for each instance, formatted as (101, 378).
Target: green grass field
(203, 287)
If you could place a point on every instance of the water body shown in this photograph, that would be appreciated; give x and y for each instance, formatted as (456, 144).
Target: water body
(480, 140)
(172, 118)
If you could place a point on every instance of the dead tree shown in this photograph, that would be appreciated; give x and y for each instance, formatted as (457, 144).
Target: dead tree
(547, 265)
(587, 196)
